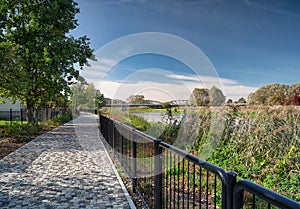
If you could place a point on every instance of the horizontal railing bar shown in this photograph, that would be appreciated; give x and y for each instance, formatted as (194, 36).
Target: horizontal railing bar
(265, 194)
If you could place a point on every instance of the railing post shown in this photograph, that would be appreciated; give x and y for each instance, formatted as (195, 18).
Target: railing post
(238, 200)
(122, 149)
(100, 123)
(10, 116)
(21, 115)
(133, 149)
(158, 188)
(231, 181)
(113, 137)
(110, 133)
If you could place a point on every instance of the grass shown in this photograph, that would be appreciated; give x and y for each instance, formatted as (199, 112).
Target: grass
(7, 122)
(145, 110)
(262, 144)
(174, 110)
(15, 135)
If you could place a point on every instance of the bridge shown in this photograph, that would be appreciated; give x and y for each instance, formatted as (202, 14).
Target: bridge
(151, 104)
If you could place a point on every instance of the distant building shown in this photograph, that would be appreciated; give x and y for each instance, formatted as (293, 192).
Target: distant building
(7, 105)
(16, 113)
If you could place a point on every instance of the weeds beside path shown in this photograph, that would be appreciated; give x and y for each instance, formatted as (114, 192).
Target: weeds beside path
(15, 136)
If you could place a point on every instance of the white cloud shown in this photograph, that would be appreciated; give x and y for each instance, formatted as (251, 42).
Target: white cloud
(205, 79)
(98, 69)
(158, 84)
(151, 90)
(166, 91)
(237, 91)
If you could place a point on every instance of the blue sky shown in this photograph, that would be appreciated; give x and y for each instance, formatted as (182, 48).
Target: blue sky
(249, 44)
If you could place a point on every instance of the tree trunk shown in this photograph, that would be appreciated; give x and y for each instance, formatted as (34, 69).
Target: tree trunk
(31, 114)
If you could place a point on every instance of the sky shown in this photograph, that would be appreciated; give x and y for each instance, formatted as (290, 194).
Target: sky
(164, 49)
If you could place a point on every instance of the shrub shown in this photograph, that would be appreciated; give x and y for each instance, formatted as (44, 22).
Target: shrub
(60, 119)
(21, 132)
(139, 122)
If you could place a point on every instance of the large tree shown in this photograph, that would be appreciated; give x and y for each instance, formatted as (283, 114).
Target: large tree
(199, 97)
(216, 97)
(294, 94)
(37, 54)
(205, 97)
(136, 99)
(273, 94)
(84, 95)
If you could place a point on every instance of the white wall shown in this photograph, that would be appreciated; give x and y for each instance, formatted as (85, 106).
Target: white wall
(7, 105)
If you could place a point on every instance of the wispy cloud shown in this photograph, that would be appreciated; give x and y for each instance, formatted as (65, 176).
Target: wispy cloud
(99, 69)
(165, 86)
(128, 1)
(271, 8)
(204, 79)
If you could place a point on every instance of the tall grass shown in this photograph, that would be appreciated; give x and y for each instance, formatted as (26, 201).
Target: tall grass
(261, 144)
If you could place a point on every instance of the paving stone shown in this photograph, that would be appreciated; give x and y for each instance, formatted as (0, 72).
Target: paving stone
(63, 168)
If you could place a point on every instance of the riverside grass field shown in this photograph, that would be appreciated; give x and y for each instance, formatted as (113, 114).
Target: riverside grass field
(261, 144)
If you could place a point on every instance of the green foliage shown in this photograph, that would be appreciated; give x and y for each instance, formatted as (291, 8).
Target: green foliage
(24, 132)
(99, 100)
(229, 101)
(21, 132)
(7, 122)
(242, 100)
(136, 99)
(205, 97)
(276, 94)
(84, 95)
(261, 145)
(166, 105)
(199, 97)
(60, 119)
(139, 122)
(144, 109)
(216, 97)
(37, 56)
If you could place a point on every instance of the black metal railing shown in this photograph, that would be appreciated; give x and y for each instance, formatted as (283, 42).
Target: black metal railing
(259, 197)
(167, 177)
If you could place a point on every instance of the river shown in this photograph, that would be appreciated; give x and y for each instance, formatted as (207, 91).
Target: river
(157, 116)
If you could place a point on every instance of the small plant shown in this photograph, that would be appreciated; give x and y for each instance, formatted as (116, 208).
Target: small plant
(139, 123)
(21, 132)
(60, 119)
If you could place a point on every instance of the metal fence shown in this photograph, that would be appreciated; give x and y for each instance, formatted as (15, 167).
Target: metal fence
(11, 115)
(250, 195)
(167, 177)
(20, 115)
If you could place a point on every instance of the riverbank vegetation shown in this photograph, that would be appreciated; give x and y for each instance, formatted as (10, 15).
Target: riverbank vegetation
(261, 144)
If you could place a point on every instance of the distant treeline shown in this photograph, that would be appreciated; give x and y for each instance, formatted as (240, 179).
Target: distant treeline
(276, 94)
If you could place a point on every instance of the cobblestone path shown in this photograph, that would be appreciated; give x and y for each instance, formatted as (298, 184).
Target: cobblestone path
(67, 167)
